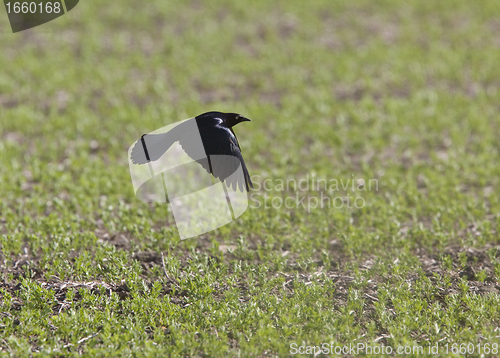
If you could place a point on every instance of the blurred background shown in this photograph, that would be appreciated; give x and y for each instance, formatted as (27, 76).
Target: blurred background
(406, 93)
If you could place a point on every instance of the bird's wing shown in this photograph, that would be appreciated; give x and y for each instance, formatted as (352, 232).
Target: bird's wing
(234, 134)
(248, 181)
(224, 158)
(151, 147)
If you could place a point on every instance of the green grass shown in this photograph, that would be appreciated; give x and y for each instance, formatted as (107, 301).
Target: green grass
(406, 94)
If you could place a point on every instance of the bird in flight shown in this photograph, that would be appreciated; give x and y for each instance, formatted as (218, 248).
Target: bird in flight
(221, 153)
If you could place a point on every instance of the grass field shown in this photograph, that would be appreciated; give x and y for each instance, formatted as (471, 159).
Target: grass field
(401, 96)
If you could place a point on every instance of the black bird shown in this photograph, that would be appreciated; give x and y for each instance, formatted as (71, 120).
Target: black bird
(223, 152)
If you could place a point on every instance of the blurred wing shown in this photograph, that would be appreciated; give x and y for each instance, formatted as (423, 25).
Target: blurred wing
(151, 147)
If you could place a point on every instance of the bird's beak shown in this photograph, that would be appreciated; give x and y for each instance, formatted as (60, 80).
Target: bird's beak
(244, 119)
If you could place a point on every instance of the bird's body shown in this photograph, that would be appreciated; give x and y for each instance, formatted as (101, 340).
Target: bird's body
(220, 156)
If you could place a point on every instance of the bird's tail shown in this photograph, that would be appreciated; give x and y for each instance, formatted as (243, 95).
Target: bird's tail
(151, 147)
(248, 181)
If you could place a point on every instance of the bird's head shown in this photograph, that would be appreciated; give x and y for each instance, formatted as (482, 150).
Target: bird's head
(216, 118)
(233, 119)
